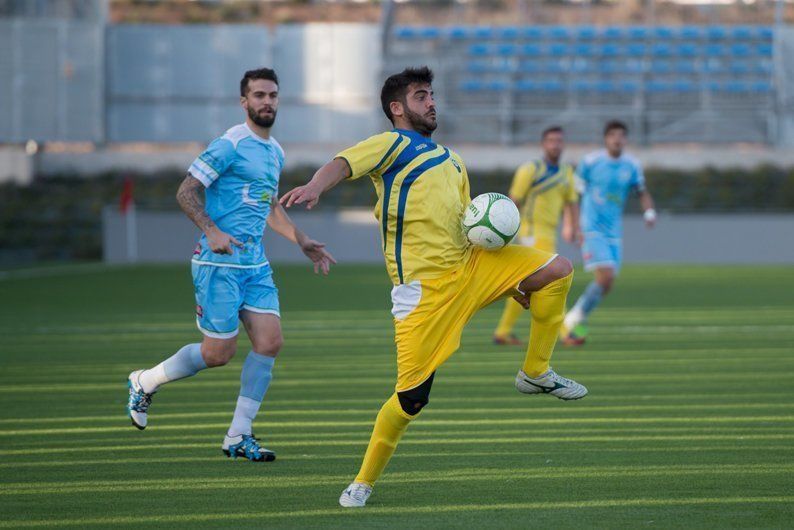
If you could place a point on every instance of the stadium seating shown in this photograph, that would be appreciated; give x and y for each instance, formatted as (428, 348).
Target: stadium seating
(638, 67)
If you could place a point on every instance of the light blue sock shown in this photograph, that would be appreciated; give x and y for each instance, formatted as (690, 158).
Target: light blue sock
(590, 299)
(254, 382)
(184, 363)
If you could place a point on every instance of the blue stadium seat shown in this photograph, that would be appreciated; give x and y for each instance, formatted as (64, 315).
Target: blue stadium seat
(714, 66)
(684, 85)
(586, 33)
(691, 33)
(479, 50)
(555, 67)
(584, 66)
(559, 50)
(628, 86)
(476, 85)
(531, 50)
(507, 50)
(716, 32)
(740, 50)
(764, 50)
(405, 32)
(609, 50)
(663, 33)
(637, 32)
(552, 85)
(636, 50)
(531, 32)
(688, 50)
(715, 50)
(584, 50)
(764, 33)
(661, 50)
(712, 86)
(478, 67)
(483, 32)
(527, 85)
(458, 32)
(761, 87)
(558, 32)
(613, 32)
(658, 86)
(430, 32)
(742, 33)
(611, 67)
(508, 33)
(762, 68)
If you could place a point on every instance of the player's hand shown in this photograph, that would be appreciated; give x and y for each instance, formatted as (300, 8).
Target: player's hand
(650, 217)
(523, 299)
(307, 194)
(220, 242)
(316, 252)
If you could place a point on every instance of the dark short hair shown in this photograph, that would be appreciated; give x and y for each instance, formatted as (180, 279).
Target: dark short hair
(259, 73)
(615, 124)
(548, 130)
(396, 86)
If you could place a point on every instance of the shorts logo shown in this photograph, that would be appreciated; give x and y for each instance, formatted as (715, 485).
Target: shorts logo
(197, 250)
(199, 311)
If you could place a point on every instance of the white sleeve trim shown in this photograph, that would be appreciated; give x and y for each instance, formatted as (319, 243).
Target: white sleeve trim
(203, 172)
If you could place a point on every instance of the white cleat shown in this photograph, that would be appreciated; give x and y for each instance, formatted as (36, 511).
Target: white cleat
(138, 402)
(355, 496)
(550, 383)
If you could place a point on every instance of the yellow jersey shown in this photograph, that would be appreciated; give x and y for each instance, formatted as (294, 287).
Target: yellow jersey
(542, 191)
(423, 190)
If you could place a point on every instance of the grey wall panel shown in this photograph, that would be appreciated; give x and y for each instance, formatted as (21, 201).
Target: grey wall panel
(183, 62)
(7, 50)
(171, 121)
(38, 81)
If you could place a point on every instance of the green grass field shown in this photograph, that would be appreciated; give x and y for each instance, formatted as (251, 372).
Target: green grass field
(689, 421)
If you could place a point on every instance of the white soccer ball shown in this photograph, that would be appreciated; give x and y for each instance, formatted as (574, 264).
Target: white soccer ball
(491, 221)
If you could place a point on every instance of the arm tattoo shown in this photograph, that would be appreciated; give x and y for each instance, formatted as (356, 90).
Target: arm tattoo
(189, 198)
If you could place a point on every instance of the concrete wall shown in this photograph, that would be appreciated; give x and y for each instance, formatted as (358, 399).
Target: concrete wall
(353, 237)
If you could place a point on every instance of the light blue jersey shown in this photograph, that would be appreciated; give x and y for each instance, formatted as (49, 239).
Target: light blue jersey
(240, 171)
(607, 183)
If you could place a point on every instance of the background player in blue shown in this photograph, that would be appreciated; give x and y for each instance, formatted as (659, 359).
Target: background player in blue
(607, 177)
(232, 278)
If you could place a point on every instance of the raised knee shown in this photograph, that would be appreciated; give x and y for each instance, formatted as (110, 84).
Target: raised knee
(218, 356)
(413, 401)
(269, 347)
(562, 267)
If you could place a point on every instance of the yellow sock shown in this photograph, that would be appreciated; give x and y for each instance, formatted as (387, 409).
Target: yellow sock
(548, 308)
(389, 427)
(509, 317)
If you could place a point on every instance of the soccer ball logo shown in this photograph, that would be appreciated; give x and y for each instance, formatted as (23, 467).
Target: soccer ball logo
(491, 221)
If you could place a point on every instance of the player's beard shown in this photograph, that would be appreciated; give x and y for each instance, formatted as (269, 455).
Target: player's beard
(421, 124)
(262, 121)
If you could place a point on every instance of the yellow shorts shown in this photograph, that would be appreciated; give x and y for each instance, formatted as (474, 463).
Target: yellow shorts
(546, 244)
(429, 315)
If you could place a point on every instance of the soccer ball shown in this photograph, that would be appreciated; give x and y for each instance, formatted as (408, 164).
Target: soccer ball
(491, 221)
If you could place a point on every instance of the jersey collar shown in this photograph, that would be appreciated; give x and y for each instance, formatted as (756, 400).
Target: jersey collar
(266, 141)
(416, 138)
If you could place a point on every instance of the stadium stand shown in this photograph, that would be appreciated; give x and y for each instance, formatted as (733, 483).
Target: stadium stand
(675, 83)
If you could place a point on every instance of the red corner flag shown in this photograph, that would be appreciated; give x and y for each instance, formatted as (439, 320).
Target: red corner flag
(126, 201)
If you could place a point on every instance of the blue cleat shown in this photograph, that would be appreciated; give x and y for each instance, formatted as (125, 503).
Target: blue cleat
(246, 446)
(138, 404)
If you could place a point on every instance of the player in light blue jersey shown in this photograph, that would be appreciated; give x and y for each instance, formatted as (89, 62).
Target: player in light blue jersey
(607, 177)
(238, 176)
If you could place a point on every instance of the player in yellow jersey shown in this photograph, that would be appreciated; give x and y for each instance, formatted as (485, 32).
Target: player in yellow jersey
(439, 280)
(542, 189)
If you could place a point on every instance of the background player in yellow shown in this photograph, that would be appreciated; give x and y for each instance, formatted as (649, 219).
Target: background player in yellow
(439, 280)
(542, 189)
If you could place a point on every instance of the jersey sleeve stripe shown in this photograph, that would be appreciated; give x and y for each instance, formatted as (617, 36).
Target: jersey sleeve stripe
(403, 199)
(203, 172)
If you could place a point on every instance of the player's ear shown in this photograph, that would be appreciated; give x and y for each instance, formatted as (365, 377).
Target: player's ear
(244, 102)
(396, 108)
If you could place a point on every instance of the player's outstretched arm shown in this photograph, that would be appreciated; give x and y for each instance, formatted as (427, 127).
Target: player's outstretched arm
(649, 212)
(189, 197)
(323, 180)
(279, 222)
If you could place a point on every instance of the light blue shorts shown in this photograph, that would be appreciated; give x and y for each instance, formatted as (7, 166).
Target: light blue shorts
(600, 251)
(222, 292)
